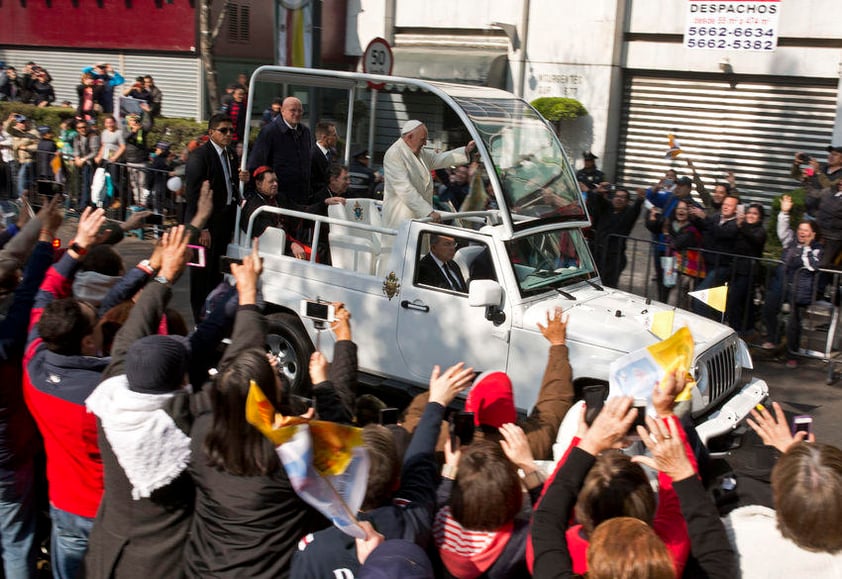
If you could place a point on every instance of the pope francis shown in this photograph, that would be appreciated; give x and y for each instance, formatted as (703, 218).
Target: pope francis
(408, 184)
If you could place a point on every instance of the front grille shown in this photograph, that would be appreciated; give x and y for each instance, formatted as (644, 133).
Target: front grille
(721, 368)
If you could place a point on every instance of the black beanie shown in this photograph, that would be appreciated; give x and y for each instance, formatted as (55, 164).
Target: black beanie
(157, 364)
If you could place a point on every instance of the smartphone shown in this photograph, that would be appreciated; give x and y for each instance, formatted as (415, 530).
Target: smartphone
(639, 419)
(154, 219)
(388, 416)
(48, 189)
(594, 396)
(196, 257)
(802, 423)
(225, 263)
(461, 429)
(299, 405)
(318, 311)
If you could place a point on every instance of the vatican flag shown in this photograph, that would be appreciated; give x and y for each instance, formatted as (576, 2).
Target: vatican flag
(675, 148)
(715, 297)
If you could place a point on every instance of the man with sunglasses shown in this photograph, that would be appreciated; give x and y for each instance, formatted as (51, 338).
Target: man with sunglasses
(214, 162)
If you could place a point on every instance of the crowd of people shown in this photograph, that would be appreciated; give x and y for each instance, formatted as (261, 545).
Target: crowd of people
(153, 470)
(711, 238)
(99, 158)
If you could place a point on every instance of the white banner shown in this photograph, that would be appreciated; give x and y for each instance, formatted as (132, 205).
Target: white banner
(750, 25)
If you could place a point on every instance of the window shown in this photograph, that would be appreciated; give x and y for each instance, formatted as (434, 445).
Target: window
(238, 17)
(462, 261)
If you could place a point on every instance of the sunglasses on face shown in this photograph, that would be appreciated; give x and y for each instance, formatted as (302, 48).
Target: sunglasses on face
(225, 130)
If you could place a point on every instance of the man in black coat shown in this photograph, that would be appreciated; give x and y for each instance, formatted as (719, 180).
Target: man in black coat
(438, 269)
(286, 145)
(323, 154)
(214, 162)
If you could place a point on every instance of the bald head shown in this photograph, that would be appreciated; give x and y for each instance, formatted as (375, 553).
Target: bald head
(416, 138)
(291, 111)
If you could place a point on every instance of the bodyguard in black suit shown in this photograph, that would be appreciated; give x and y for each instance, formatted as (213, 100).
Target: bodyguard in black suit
(215, 162)
(323, 154)
(286, 144)
(438, 269)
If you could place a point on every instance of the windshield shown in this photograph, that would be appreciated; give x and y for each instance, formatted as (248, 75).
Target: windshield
(536, 180)
(550, 260)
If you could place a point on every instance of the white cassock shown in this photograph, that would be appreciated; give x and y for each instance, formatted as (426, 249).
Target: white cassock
(407, 183)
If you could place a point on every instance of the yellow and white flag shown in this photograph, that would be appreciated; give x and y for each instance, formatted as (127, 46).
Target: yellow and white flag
(662, 323)
(715, 297)
(674, 147)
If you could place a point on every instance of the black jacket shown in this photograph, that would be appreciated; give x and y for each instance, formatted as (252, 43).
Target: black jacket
(242, 526)
(288, 152)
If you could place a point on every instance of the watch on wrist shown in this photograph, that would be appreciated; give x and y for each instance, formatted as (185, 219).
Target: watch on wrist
(146, 266)
(80, 251)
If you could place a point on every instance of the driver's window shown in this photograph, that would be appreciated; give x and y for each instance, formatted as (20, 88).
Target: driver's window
(451, 263)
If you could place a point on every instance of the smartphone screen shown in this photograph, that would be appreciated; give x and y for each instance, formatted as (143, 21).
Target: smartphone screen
(594, 396)
(196, 256)
(802, 423)
(154, 219)
(462, 429)
(320, 311)
(388, 416)
(225, 263)
(639, 420)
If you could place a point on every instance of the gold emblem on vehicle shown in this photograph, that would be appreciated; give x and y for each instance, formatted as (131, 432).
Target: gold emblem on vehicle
(391, 285)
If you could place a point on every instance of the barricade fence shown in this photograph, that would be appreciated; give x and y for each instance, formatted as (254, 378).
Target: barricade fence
(118, 187)
(654, 270)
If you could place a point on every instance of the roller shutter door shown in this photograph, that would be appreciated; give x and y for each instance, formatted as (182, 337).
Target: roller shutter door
(752, 128)
(178, 77)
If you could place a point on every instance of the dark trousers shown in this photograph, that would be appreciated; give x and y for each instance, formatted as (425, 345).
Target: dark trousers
(205, 279)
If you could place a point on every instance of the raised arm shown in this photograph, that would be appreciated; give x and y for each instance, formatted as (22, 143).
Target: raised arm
(145, 316)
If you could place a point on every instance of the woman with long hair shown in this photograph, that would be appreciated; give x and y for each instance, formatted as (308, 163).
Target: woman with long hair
(248, 518)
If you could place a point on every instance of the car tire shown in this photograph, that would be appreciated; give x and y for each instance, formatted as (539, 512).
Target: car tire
(288, 342)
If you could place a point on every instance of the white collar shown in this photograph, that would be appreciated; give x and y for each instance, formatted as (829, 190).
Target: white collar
(219, 150)
(322, 148)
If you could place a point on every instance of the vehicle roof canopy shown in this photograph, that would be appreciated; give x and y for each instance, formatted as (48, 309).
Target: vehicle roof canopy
(528, 173)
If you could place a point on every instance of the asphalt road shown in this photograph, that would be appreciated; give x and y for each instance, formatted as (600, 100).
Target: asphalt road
(800, 391)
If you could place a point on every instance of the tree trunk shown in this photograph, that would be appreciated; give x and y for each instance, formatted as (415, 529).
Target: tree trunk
(207, 39)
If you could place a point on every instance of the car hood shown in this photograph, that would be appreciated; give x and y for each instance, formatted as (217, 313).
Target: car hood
(620, 321)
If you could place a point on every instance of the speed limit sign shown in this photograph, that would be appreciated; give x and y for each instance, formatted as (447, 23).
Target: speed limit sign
(377, 58)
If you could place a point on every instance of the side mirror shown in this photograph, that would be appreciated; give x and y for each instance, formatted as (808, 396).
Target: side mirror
(488, 294)
(484, 293)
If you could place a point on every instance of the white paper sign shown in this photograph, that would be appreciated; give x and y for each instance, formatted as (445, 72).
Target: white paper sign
(738, 25)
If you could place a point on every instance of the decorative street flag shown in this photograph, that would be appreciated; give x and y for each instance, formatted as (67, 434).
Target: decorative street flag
(715, 297)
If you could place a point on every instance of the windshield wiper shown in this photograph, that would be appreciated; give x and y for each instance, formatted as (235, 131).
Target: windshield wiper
(595, 285)
(568, 295)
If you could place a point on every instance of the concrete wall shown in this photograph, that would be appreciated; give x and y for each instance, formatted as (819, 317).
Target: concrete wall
(580, 49)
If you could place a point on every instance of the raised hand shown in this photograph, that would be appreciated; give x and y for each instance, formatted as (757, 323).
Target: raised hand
(667, 448)
(773, 430)
(444, 386)
(556, 329)
(610, 425)
(173, 253)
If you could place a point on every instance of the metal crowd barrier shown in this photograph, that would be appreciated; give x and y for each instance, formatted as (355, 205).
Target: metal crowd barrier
(133, 186)
(747, 277)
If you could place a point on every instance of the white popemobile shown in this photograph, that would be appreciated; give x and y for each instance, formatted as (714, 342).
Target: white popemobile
(522, 258)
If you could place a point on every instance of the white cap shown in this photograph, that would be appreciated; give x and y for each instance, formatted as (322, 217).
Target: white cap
(410, 126)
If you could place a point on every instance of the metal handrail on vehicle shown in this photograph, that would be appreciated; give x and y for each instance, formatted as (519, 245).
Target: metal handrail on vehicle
(318, 219)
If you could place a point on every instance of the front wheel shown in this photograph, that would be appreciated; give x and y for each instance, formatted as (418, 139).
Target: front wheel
(287, 341)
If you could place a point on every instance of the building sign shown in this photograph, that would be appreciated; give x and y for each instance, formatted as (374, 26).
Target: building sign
(732, 25)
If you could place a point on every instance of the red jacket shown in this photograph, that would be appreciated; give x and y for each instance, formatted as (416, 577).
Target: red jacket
(55, 388)
(669, 523)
